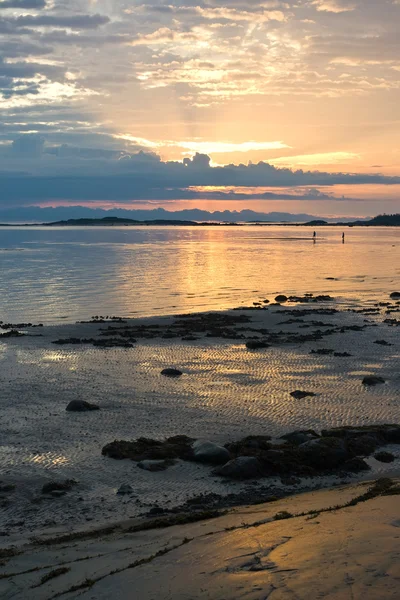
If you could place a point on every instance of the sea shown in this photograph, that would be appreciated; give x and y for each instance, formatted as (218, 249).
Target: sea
(55, 274)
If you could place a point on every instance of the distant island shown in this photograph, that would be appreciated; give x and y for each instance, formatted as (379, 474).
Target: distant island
(378, 221)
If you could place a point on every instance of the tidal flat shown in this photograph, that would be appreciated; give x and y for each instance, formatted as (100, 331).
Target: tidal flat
(265, 370)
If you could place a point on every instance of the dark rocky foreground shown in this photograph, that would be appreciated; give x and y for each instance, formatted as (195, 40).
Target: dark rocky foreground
(300, 453)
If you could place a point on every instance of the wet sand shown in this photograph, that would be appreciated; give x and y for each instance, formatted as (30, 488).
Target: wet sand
(225, 393)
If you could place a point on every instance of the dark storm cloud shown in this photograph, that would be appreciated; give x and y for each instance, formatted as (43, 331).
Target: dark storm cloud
(145, 177)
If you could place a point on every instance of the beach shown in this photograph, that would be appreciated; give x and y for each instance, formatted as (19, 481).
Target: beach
(227, 391)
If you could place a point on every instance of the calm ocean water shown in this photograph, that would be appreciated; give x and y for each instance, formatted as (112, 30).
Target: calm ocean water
(70, 273)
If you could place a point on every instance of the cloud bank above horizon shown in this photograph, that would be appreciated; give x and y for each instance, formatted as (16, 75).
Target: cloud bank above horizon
(201, 100)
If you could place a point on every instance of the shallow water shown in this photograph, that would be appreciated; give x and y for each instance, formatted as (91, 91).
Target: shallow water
(48, 274)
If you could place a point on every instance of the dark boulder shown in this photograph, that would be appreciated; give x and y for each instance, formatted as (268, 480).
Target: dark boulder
(256, 345)
(81, 406)
(242, 467)
(249, 446)
(171, 372)
(300, 437)
(299, 394)
(363, 445)
(324, 453)
(148, 449)
(384, 457)
(210, 453)
(395, 295)
(356, 465)
(281, 298)
(372, 380)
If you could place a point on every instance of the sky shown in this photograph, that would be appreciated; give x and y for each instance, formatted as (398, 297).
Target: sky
(275, 106)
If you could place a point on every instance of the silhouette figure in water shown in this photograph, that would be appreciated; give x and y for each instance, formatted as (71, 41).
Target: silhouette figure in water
(314, 237)
(342, 238)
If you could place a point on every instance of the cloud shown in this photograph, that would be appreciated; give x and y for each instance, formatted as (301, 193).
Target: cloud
(59, 174)
(25, 4)
(334, 6)
(325, 158)
(70, 21)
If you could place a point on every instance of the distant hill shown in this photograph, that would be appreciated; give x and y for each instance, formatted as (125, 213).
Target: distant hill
(65, 213)
(385, 220)
(111, 221)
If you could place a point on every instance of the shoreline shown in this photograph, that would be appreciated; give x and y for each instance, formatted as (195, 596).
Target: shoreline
(331, 539)
(136, 400)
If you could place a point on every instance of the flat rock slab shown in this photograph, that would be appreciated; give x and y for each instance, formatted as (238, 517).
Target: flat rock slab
(248, 554)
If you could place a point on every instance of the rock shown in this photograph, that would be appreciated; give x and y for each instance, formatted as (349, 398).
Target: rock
(382, 343)
(124, 489)
(300, 437)
(210, 453)
(324, 453)
(179, 446)
(57, 486)
(372, 380)
(171, 372)
(385, 457)
(362, 445)
(299, 394)
(250, 445)
(342, 354)
(242, 467)
(155, 465)
(383, 434)
(356, 465)
(281, 298)
(395, 295)
(81, 406)
(256, 345)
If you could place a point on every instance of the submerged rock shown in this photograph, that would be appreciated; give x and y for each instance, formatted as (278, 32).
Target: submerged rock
(242, 467)
(58, 486)
(208, 452)
(81, 406)
(124, 489)
(395, 295)
(155, 465)
(281, 298)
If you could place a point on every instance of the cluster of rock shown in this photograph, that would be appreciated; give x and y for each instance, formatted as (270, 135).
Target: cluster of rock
(300, 453)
